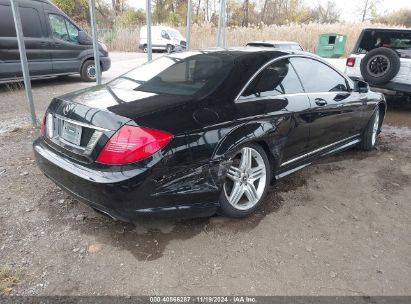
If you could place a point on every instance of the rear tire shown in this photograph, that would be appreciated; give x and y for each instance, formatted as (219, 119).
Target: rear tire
(169, 48)
(145, 49)
(247, 182)
(88, 71)
(370, 133)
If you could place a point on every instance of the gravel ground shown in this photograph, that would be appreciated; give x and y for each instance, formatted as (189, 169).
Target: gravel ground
(339, 227)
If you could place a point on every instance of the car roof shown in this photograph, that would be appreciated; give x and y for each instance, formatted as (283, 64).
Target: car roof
(387, 29)
(242, 52)
(274, 42)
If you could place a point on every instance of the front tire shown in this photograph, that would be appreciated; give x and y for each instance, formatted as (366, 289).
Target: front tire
(169, 48)
(88, 71)
(370, 133)
(247, 182)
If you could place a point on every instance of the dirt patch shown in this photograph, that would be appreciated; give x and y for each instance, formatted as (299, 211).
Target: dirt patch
(7, 281)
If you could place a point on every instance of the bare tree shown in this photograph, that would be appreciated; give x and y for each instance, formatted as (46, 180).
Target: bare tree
(245, 16)
(118, 6)
(368, 7)
(263, 12)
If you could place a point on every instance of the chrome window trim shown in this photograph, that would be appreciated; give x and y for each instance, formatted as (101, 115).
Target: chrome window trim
(82, 124)
(348, 82)
(318, 150)
(251, 99)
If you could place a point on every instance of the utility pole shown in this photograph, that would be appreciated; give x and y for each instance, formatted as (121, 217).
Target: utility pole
(96, 46)
(188, 29)
(23, 59)
(220, 23)
(148, 21)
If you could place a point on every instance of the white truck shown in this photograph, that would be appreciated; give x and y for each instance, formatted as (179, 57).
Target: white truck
(163, 38)
(382, 57)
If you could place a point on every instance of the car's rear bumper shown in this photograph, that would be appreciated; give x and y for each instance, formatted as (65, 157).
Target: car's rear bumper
(120, 194)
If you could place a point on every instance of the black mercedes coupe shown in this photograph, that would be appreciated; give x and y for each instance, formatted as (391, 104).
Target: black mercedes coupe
(200, 132)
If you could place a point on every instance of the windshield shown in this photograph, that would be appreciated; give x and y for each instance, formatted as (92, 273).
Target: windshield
(178, 75)
(175, 34)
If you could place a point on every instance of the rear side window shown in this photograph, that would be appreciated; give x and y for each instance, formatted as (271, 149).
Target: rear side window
(30, 20)
(180, 76)
(276, 79)
(63, 29)
(372, 39)
(6, 22)
(318, 77)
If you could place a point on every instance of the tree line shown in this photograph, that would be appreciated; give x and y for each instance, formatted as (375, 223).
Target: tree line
(119, 13)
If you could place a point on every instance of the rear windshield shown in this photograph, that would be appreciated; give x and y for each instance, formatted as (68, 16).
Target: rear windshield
(179, 75)
(372, 39)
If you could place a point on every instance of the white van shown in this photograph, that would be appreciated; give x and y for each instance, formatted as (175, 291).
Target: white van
(163, 38)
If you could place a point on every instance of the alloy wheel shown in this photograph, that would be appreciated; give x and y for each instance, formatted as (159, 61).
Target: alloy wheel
(246, 179)
(378, 65)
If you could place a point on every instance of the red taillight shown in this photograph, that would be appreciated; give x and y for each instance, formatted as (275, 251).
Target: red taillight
(131, 144)
(350, 62)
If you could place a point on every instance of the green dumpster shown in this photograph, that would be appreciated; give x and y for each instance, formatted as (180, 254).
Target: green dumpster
(331, 45)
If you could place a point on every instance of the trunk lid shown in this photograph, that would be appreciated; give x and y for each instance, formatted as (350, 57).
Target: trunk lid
(79, 124)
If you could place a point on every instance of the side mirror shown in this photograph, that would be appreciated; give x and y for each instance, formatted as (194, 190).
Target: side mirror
(361, 86)
(84, 38)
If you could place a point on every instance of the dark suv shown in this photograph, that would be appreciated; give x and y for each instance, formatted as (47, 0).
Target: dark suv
(382, 57)
(55, 44)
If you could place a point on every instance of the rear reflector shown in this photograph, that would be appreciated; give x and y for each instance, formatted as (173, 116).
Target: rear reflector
(350, 62)
(131, 144)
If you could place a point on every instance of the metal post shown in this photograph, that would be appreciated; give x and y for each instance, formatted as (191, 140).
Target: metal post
(224, 26)
(148, 21)
(23, 59)
(188, 29)
(96, 46)
(220, 22)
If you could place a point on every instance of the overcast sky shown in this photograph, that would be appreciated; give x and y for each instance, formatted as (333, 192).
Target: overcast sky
(349, 8)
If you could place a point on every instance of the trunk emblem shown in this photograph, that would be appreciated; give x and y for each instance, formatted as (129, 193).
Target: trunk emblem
(68, 108)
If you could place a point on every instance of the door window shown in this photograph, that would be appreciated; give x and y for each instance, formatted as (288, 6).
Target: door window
(165, 35)
(318, 77)
(72, 31)
(278, 78)
(63, 29)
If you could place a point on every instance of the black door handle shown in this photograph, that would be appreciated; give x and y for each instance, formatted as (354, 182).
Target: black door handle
(320, 102)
